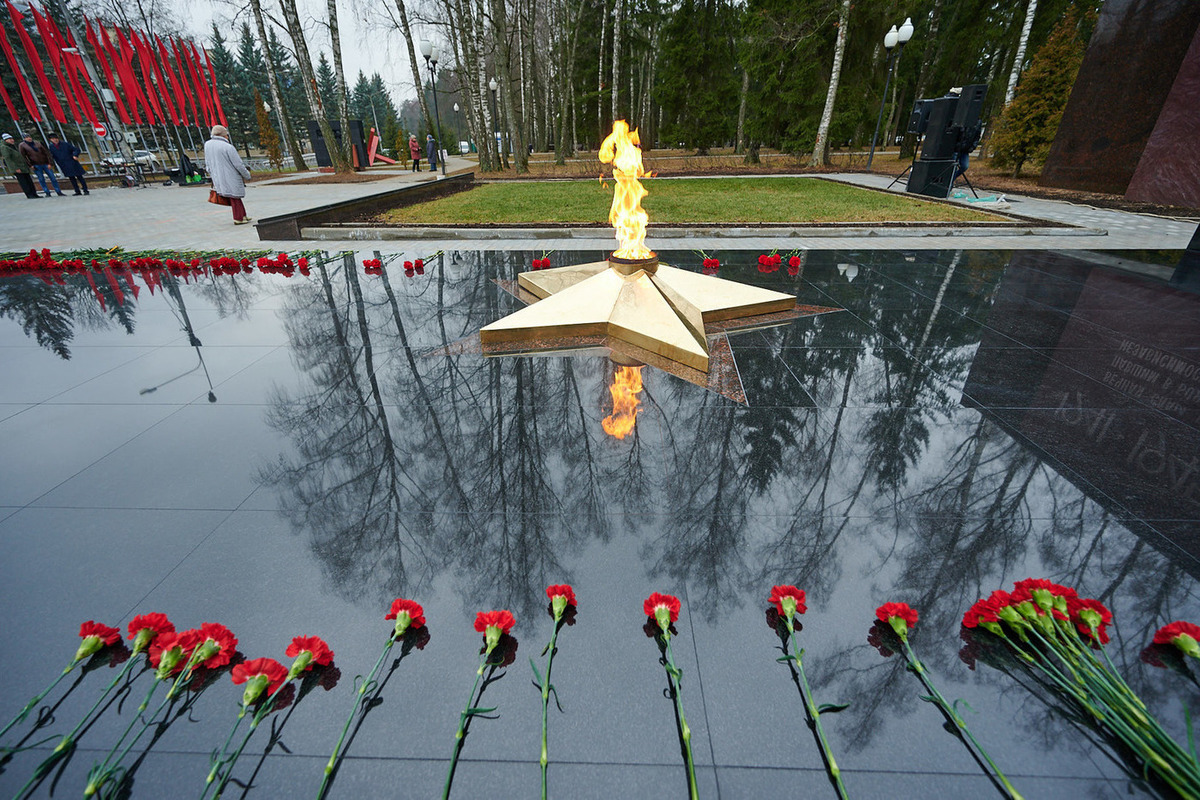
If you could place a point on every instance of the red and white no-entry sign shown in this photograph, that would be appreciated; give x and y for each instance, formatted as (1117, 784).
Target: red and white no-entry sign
(100, 130)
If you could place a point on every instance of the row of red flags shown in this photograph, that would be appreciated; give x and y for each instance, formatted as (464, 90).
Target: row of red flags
(177, 83)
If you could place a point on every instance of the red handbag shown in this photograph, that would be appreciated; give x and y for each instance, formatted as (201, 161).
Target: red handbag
(216, 199)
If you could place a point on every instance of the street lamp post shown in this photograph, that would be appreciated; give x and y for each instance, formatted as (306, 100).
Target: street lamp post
(495, 121)
(431, 58)
(891, 39)
(457, 129)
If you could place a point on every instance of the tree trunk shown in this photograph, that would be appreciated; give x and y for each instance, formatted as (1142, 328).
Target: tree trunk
(512, 105)
(406, 30)
(600, 80)
(740, 147)
(618, 18)
(335, 38)
(292, 19)
(909, 146)
(820, 153)
(276, 95)
(1030, 10)
(563, 148)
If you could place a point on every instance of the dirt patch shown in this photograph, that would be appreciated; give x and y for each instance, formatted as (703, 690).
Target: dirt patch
(334, 177)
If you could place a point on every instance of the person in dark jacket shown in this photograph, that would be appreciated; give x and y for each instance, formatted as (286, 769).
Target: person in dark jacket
(431, 152)
(39, 160)
(66, 155)
(13, 163)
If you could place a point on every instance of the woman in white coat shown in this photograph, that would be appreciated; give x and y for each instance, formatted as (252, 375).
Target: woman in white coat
(228, 173)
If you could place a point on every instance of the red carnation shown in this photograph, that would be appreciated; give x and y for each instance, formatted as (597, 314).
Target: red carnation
(261, 674)
(794, 261)
(493, 625)
(900, 616)
(1183, 635)
(1045, 594)
(145, 628)
(167, 654)
(95, 637)
(662, 608)
(762, 259)
(210, 646)
(562, 597)
(308, 650)
(407, 615)
(788, 600)
(1091, 618)
(985, 613)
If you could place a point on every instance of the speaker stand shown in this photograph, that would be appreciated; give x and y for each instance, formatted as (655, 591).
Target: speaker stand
(962, 175)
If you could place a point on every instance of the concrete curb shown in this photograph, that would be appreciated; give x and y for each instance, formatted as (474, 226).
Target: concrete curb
(466, 234)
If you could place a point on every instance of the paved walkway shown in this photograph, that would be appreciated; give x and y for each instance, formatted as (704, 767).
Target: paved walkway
(179, 218)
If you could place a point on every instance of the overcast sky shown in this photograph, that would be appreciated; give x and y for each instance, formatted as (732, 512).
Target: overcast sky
(366, 44)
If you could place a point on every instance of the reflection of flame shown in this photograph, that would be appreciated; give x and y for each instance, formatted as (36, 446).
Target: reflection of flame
(620, 148)
(627, 384)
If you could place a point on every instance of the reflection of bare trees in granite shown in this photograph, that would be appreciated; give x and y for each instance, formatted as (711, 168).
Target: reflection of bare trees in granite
(49, 312)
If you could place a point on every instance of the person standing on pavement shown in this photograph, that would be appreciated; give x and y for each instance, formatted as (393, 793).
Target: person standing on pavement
(414, 150)
(431, 151)
(13, 163)
(66, 155)
(228, 173)
(39, 159)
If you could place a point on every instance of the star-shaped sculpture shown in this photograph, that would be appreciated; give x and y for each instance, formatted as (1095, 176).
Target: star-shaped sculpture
(653, 306)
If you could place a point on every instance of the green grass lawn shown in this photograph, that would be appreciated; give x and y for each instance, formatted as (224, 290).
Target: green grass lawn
(714, 200)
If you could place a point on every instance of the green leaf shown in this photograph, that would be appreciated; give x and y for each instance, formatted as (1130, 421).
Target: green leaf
(476, 710)
(788, 657)
(964, 703)
(536, 674)
(832, 708)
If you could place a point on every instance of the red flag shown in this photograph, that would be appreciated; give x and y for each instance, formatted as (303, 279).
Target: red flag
(26, 95)
(12, 112)
(108, 75)
(212, 77)
(146, 63)
(74, 62)
(35, 62)
(54, 48)
(183, 80)
(201, 95)
(180, 106)
(135, 91)
(164, 90)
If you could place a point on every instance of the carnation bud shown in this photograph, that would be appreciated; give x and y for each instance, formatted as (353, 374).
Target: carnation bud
(403, 620)
(491, 637)
(167, 663)
(900, 626)
(300, 664)
(88, 647)
(788, 604)
(662, 615)
(558, 605)
(1186, 644)
(254, 689)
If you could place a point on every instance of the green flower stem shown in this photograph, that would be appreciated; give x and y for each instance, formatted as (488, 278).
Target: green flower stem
(259, 716)
(948, 709)
(1103, 692)
(546, 703)
(220, 759)
(69, 739)
(685, 731)
(32, 704)
(362, 690)
(814, 714)
(462, 726)
(102, 773)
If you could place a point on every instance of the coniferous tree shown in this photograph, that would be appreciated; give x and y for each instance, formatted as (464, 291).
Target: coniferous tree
(1029, 123)
(360, 100)
(290, 87)
(267, 135)
(696, 87)
(327, 87)
(236, 96)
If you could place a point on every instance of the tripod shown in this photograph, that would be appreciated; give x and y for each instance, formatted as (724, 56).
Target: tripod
(957, 174)
(908, 169)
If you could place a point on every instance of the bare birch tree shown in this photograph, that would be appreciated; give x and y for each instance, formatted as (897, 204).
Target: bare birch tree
(1019, 58)
(285, 120)
(343, 103)
(820, 154)
(292, 20)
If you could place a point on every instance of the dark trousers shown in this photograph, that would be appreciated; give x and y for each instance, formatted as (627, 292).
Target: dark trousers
(416, 165)
(78, 183)
(26, 181)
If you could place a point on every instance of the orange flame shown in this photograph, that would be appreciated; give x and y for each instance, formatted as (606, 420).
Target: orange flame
(627, 384)
(620, 148)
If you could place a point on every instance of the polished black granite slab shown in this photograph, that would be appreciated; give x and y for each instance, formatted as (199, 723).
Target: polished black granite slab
(969, 419)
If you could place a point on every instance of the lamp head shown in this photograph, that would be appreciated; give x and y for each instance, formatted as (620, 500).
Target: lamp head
(906, 30)
(493, 85)
(890, 38)
(426, 49)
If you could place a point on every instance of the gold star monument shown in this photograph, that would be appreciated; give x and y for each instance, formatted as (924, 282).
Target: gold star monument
(631, 296)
